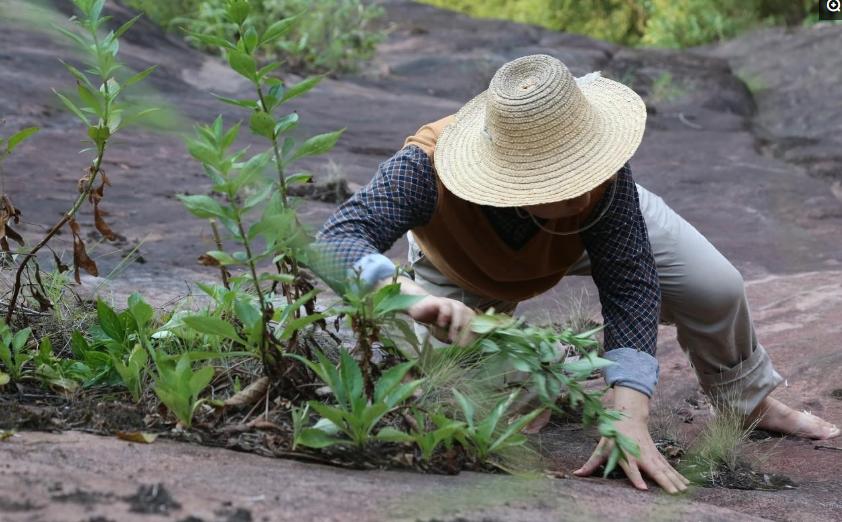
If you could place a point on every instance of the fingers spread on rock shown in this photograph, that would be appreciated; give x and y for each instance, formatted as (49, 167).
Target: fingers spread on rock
(595, 460)
(633, 473)
(664, 481)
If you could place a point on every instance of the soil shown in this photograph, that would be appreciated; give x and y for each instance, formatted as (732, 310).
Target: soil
(745, 147)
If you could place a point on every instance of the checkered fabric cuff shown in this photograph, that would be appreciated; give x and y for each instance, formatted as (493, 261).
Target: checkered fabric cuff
(635, 369)
(373, 268)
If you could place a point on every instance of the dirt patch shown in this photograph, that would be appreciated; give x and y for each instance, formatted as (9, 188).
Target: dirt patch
(152, 499)
(83, 497)
(334, 190)
(837, 394)
(13, 506)
(744, 477)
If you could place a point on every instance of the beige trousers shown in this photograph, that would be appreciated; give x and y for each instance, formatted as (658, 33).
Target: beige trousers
(702, 294)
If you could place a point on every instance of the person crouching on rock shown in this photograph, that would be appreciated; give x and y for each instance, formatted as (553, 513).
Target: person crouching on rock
(530, 181)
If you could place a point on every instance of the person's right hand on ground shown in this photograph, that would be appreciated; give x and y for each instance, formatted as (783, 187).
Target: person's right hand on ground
(636, 407)
(450, 320)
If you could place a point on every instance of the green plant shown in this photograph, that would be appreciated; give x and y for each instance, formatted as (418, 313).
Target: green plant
(542, 353)
(354, 414)
(483, 436)
(132, 370)
(178, 386)
(330, 36)
(276, 236)
(367, 312)
(53, 372)
(664, 88)
(12, 352)
(720, 445)
(428, 440)
(101, 107)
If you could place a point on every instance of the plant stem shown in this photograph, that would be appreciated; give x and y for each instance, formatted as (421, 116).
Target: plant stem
(268, 365)
(95, 169)
(218, 241)
(289, 292)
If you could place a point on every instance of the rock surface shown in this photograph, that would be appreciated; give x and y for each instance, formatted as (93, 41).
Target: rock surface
(742, 140)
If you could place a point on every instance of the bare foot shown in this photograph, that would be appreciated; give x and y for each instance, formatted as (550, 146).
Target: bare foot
(778, 417)
(537, 423)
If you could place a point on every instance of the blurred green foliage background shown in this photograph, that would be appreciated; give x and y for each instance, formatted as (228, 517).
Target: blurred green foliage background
(658, 23)
(331, 35)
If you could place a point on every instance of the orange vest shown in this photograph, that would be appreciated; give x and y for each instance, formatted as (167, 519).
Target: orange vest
(463, 245)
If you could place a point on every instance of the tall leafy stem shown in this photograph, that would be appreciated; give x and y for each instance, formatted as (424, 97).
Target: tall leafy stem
(98, 102)
(284, 240)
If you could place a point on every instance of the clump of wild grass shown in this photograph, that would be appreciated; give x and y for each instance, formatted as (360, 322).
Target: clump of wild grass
(721, 446)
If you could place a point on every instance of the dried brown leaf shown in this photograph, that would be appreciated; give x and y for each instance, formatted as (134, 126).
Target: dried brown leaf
(80, 255)
(8, 213)
(262, 424)
(248, 395)
(102, 226)
(61, 267)
(38, 293)
(137, 436)
(206, 260)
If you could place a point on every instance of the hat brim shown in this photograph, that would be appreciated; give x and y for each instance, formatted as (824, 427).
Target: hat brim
(536, 175)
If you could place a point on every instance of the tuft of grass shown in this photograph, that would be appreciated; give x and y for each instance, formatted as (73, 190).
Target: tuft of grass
(720, 447)
(665, 89)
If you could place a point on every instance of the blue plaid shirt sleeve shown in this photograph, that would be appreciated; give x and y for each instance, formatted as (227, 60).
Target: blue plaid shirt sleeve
(624, 271)
(401, 196)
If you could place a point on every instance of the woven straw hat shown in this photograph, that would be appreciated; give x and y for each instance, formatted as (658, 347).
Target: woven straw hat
(539, 135)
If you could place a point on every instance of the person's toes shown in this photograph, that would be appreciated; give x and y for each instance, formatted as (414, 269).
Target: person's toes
(830, 431)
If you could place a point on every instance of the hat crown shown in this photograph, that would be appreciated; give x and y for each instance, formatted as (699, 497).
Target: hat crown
(530, 97)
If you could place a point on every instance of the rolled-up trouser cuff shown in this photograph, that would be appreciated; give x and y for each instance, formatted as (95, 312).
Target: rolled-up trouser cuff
(744, 386)
(634, 369)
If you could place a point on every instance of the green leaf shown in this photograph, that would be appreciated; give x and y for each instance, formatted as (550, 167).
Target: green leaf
(140, 310)
(299, 178)
(213, 326)
(262, 74)
(467, 407)
(200, 380)
(203, 206)
(19, 137)
(390, 434)
(318, 144)
(315, 438)
(250, 39)
(302, 87)
(243, 64)
(126, 26)
(262, 124)
(139, 76)
(612, 461)
(72, 107)
(211, 40)
(278, 29)
(110, 322)
(238, 11)
(224, 258)
(248, 104)
(395, 303)
(390, 379)
(93, 100)
(99, 135)
(290, 121)
(4, 379)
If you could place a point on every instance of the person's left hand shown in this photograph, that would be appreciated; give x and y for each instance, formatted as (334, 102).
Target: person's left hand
(635, 426)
